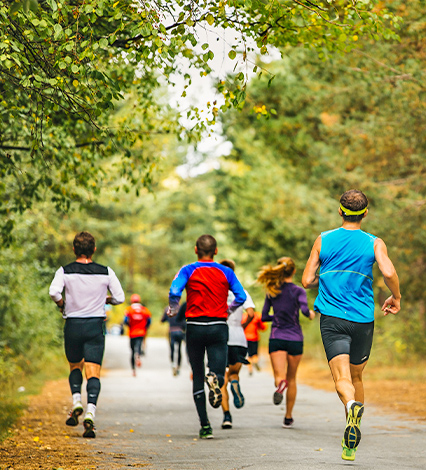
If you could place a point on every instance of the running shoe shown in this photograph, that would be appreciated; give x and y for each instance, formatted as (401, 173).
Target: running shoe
(288, 423)
(206, 432)
(279, 392)
(89, 426)
(347, 454)
(238, 396)
(227, 420)
(352, 435)
(138, 361)
(215, 395)
(73, 415)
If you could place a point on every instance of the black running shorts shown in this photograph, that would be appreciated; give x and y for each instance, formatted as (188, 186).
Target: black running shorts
(341, 336)
(84, 339)
(252, 348)
(293, 348)
(237, 354)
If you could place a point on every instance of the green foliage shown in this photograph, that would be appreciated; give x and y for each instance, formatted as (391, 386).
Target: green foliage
(352, 121)
(65, 68)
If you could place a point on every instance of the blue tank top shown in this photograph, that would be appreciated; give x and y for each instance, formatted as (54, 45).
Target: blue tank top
(346, 275)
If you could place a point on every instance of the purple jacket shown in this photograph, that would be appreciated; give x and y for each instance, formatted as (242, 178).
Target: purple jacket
(286, 306)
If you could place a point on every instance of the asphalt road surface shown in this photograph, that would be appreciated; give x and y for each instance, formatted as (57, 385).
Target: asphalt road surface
(149, 421)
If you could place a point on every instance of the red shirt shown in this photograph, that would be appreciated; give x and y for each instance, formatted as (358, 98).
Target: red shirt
(137, 318)
(252, 329)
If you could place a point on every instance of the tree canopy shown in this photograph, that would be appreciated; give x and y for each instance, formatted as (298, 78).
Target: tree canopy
(68, 68)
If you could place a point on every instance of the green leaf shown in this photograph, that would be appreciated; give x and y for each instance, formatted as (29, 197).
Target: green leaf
(210, 19)
(58, 31)
(232, 54)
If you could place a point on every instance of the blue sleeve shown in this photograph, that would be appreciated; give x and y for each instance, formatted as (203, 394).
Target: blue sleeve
(265, 310)
(237, 289)
(126, 320)
(177, 287)
(148, 323)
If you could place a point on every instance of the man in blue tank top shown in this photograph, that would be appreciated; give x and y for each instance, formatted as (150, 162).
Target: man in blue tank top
(345, 258)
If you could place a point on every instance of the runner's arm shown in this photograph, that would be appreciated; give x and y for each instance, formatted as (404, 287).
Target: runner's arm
(56, 287)
(310, 278)
(303, 304)
(237, 289)
(250, 316)
(176, 289)
(117, 296)
(265, 310)
(393, 303)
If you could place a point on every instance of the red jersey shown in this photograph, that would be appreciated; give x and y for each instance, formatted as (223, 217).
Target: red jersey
(138, 319)
(252, 329)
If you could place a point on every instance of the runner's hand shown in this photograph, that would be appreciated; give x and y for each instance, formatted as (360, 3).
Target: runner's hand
(391, 305)
(311, 314)
(171, 312)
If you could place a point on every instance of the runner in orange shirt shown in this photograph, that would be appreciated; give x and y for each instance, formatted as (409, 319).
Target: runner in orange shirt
(138, 319)
(252, 335)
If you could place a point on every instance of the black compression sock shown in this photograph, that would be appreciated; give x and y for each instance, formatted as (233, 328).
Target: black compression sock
(93, 390)
(75, 380)
(200, 404)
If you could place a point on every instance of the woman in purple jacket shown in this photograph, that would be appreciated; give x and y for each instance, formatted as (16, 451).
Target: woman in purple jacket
(286, 340)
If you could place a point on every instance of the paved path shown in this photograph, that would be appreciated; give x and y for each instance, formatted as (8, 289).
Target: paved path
(150, 422)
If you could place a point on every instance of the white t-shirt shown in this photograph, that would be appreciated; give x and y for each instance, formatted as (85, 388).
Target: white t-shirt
(236, 331)
(86, 287)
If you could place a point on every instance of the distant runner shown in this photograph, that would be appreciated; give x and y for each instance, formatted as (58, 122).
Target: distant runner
(286, 339)
(251, 332)
(345, 300)
(207, 284)
(237, 352)
(177, 328)
(138, 318)
(86, 287)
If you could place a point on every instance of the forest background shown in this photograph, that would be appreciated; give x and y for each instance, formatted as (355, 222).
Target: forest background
(330, 120)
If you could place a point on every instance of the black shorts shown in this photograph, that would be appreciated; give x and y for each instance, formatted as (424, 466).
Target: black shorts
(341, 336)
(237, 354)
(252, 348)
(84, 339)
(293, 348)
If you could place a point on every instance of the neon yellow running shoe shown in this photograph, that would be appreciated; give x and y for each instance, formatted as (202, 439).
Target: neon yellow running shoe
(347, 454)
(352, 435)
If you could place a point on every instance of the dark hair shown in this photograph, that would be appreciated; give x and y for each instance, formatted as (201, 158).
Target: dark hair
(272, 277)
(354, 200)
(206, 245)
(84, 244)
(229, 263)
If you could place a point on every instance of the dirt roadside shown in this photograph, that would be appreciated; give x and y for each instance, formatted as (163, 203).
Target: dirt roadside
(40, 440)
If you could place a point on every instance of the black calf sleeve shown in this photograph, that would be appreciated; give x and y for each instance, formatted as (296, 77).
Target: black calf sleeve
(75, 380)
(93, 390)
(200, 404)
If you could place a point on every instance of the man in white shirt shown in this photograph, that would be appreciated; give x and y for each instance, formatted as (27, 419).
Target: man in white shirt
(86, 287)
(237, 352)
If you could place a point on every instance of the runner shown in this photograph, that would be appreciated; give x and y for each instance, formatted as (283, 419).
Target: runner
(345, 300)
(207, 284)
(251, 332)
(86, 286)
(286, 339)
(237, 352)
(138, 318)
(177, 326)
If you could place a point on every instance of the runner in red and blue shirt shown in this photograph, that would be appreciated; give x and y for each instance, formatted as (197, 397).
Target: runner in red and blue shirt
(207, 284)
